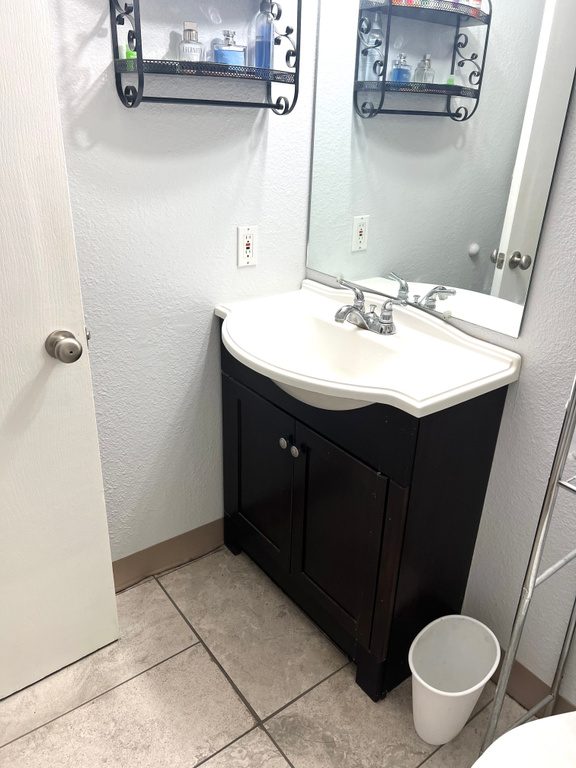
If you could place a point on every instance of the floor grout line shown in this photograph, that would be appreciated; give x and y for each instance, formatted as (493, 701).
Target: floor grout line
(259, 720)
(98, 696)
(243, 699)
(239, 693)
(278, 747)
(307, 691)
(234, 741)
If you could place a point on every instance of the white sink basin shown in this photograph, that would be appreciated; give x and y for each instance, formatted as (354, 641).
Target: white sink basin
(426, 367)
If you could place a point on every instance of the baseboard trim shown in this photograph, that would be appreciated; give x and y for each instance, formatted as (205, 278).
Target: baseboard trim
(168, 554)
(527, 689)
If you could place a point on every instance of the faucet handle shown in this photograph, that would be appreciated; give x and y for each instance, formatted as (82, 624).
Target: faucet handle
(403, 290)
(358, 294)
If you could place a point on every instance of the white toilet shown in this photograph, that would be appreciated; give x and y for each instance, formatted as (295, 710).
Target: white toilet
(546, 743)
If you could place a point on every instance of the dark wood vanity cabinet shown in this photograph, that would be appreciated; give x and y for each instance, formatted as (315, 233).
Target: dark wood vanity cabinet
(366, 518)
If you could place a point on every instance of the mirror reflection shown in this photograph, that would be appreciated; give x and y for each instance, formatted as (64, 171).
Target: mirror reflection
(418, 159)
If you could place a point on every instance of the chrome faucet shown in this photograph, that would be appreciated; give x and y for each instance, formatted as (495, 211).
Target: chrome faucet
(403, 290)
(429, 300)
(357, 315)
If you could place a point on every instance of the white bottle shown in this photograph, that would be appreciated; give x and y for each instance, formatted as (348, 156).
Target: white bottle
(190, 49)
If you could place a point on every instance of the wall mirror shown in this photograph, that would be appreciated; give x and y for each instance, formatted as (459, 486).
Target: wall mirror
(437, 129)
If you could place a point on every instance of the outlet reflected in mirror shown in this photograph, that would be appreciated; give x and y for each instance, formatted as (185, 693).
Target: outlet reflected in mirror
(451, 201)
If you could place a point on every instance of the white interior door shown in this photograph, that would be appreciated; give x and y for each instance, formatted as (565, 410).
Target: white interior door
(539, 143)
(56, 591)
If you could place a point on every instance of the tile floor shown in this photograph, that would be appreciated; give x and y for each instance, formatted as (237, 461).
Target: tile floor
(217, 667)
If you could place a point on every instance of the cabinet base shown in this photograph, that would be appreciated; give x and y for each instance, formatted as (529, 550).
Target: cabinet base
(369, 673)
(229, 542)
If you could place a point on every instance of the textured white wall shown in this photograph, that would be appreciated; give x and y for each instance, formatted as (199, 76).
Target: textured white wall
(530, 430)
(156, 195)
(430, 185)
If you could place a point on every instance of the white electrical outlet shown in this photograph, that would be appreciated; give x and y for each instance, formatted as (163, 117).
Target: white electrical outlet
(247, 246)
(360, 233)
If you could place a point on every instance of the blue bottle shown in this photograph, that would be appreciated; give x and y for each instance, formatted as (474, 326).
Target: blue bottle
(264, 42)
(402, 71)
(229, 52)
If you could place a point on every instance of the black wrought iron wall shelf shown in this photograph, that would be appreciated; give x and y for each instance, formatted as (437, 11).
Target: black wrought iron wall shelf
(133, 94)
(370, 95)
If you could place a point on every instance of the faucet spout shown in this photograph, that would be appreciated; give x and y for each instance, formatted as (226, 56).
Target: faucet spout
(429, 300)
(352, 315)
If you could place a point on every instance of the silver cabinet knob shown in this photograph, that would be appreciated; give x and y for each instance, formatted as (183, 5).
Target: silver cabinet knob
(283, 443)
(294, 451)
(63, 346)
(517, 260)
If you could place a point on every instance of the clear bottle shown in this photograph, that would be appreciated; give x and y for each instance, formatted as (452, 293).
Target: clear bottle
(229, 52)
(190, 49)
(264, 37)
(371, 64)
(402, 71)
(424, 72)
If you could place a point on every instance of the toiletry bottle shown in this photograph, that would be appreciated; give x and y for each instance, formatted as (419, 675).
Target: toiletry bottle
(424, 72)
(402, 71)
(130, 55)
(264, 37)
(474, 5)
(371, 64)
(190, 49)
(229, 52)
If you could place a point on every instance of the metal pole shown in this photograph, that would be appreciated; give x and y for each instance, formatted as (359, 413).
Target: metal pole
(562, 661)
(533, 564)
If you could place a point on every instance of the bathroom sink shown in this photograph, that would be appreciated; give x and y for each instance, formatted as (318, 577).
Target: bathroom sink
(426, 366)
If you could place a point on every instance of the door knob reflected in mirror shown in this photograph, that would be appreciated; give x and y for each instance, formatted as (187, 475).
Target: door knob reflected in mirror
(497, 258)
(63, 346)
(517, 260)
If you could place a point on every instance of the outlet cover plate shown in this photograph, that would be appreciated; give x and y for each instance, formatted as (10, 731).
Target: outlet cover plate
(247, 246)
(360, 233)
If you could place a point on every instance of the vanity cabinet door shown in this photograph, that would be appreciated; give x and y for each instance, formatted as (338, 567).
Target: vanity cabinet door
(338, 509)
(258, 475)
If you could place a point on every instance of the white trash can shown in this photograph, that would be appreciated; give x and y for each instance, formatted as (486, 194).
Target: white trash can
(451, 660)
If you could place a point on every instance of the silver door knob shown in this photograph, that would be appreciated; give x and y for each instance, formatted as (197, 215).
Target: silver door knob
(497, 258)
(63, 346)
(294, 451)
(517, 260)
(283, 443)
